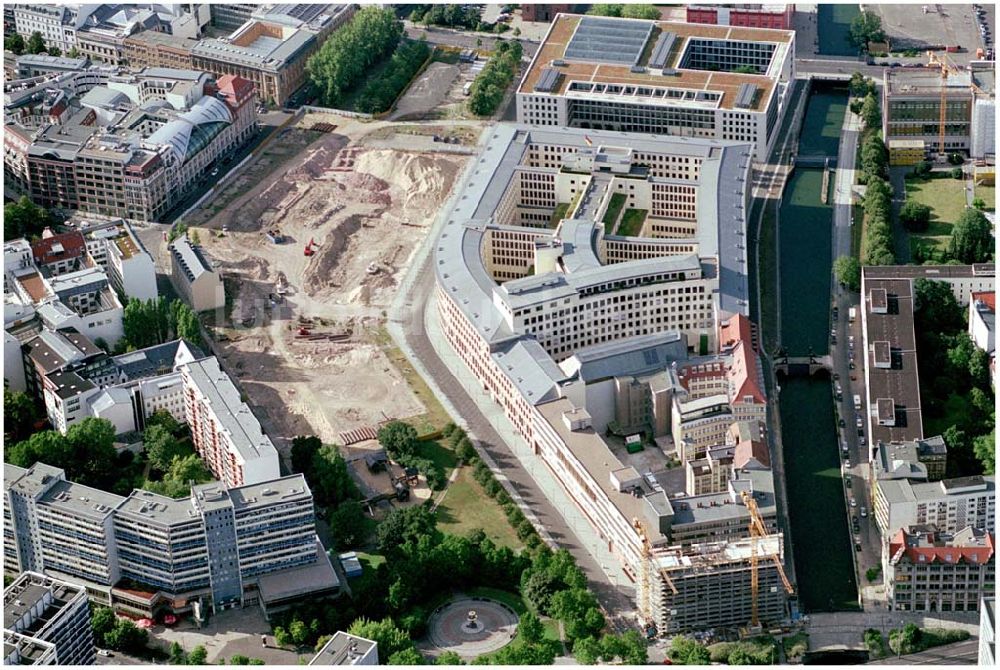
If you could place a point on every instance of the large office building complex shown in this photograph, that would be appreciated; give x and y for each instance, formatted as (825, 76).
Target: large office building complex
(145, 554)
(46, 622)
(595, 286)
(637, 76)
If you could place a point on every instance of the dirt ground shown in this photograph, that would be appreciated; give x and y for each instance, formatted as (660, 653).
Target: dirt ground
(300, 332)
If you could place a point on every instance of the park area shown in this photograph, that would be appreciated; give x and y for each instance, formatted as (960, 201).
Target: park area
(946, 198)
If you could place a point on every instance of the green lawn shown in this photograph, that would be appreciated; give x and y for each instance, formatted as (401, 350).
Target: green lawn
(632, 221)
(946, 198)
(440, 455)
(558, 214)
(611, 214)
(467, 507)
(989, 195)
(435, 416)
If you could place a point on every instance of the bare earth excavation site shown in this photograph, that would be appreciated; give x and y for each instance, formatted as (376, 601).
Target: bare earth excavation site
(311, 257)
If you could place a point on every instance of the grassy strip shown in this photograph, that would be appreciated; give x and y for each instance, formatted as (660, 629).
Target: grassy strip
(435, 417)
(466, 507)
(558, 214)
(614, 209)
(632, 221)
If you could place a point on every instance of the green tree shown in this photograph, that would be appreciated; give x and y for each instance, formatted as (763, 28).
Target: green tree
(685, 651)
(587, 651)
(408, 656)
(24, 218)
(860, 85)
(165, 420)
(126, 637)
(633, 648)
(177, 655)
(449, 658)
(398, 438)
(648, 12)
(404, 525)
(984, 447)
(530, 628)
(971, 238)
(281, 636)
(198, 656)
(329, 479)
(14, 43)
(866, 27)
(922, 169)
(55, 51)
(979, 203)
(93, 443)
(348, 524)
(73, 53)
(161, 447)
(606, 10)
(36, 44)
(871, 574)
(102, 620)
(299, 632)
(935, 307)
(538, 587)
(915, 216)
(871, 114)
(304, 449)
(847, 270)
(389, 637)
(19, 413)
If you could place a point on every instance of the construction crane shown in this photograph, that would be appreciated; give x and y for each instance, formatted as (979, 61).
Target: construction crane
(947, 67)
(759, 531)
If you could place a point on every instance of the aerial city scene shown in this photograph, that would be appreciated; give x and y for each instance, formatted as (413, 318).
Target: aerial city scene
(503, 334)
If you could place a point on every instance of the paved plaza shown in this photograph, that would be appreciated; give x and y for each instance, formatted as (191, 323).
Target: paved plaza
(449, 628)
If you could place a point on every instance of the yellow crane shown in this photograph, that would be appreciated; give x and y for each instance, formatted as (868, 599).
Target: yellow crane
(759, 531)
(947, 67)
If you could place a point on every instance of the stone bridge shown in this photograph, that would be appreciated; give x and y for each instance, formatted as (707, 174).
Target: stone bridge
(799, 366)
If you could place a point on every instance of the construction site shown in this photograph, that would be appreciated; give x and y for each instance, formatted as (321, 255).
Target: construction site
(311, 240)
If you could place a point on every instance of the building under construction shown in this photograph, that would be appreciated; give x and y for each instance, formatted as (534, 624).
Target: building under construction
(913, 100)
(711, 585)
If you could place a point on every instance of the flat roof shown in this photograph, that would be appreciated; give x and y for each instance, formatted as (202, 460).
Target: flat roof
(902, 490)
(587, 65)
(81, 501)
(342, 649)
(264, 53)
(929, 271)
(899, 383)
(154, 508)
(316, 577)
(231, 412)
(264, 494)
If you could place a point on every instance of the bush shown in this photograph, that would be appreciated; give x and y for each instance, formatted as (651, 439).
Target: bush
(915, 216)
(922, 169)
(379, 94)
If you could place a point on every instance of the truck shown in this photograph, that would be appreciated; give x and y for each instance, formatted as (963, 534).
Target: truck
(467, 89)
(857, 402)
(852, 314)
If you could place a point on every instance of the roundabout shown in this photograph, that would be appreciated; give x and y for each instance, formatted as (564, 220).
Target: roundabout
(471, 626)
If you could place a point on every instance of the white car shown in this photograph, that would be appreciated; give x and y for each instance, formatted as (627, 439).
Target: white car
(864, 512)
(104, 652)
(854, 503)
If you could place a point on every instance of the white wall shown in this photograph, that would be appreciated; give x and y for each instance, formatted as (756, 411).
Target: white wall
(13, 362)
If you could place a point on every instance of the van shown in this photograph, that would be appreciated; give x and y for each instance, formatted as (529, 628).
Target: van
(467, 89)
(857, 402)
(852, 314)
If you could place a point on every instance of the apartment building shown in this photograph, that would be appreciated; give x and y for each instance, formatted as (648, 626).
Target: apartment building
(911, 104)
(113, 151)
(637, 76)
(46, 622)
(776, 16)
(145, 554)
(57, 24)
(113, 246)
(346, 649)
(270, 48)
(224, 431)
(927, 570)
(950, 504)
(194, 277)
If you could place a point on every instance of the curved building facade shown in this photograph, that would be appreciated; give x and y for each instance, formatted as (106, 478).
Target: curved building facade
(595, 284)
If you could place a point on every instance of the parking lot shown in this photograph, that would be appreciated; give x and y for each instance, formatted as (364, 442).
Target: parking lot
(929, 26)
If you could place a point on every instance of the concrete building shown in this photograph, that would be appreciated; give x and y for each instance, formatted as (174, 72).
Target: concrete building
(987, 632)
(146, 554)
(660, 77)
(150, 48)
(230, 16)
(56, 23)
(194, 277)
(906, 152)
(101, 36)
(224, 431)
(927, 570)
(346, 649)
(950, 505)
(776, 16)
(982, 320)
(113, 245)
(963, 280)
(573, 327)
(911, 104)
(127, 145)
(46, 622)
(270, 48)
(919, 460)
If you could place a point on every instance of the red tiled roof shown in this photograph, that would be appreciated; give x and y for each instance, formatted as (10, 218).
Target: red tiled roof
(751, 449)
(235, 89)
(73, 246)
(987, 297)
(899, 547)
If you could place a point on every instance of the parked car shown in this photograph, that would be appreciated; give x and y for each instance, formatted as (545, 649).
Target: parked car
(857, 546)
(104, 652)
(842, 423)
(854, 503)
(864, 512)
(847, 481)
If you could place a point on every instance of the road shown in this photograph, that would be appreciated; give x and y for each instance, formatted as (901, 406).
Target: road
(845, 350)
(830, 630)
(960, 653)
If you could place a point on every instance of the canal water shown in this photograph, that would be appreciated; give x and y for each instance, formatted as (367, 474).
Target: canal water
(835, 26)
(822, 546)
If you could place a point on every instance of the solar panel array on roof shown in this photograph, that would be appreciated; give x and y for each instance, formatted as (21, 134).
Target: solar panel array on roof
(609, 40)
(548, 80)
(664, 43)
(745, 95)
